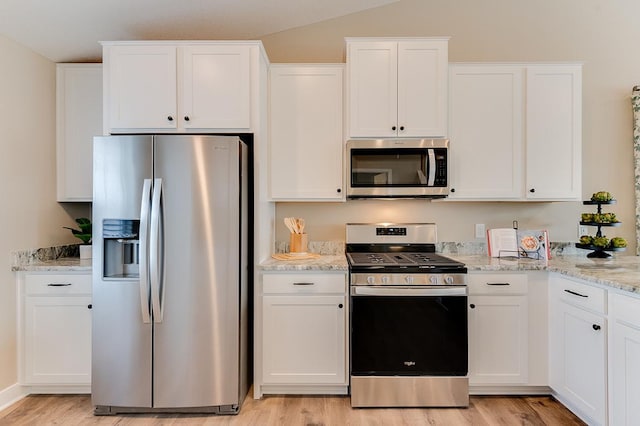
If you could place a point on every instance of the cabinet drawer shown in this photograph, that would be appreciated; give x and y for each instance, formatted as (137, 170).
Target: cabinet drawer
(497, 283)
(626, 309)
(304, 283)
(57, 284)
(581, 295)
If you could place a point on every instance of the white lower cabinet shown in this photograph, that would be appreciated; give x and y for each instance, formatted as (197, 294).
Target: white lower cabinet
(56, 329)
(624, 360)
(498, 329)
(304, 333)
(577, 347)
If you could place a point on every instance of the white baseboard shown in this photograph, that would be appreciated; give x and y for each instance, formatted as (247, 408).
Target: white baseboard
(11, 395)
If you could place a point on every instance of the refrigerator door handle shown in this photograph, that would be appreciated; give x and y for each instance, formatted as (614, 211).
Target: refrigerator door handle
(156, 250)
(143, 248)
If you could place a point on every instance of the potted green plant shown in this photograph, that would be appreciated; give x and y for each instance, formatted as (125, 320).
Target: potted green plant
(84, 234)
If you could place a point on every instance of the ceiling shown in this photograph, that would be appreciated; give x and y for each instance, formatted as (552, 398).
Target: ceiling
(69, 30)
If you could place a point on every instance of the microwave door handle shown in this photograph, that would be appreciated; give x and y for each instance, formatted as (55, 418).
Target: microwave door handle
(431, 155)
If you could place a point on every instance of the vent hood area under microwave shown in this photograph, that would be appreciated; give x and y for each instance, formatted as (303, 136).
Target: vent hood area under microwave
(397, 168)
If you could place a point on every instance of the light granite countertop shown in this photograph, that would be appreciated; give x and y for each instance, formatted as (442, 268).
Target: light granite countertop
(64, 264)
(622, 272)
(619, 271)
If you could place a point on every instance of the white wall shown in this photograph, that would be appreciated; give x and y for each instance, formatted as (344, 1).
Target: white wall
(29, 216)
(602, 35)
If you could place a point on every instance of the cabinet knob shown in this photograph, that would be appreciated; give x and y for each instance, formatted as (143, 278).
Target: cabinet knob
(186, 118)
(393, 128)
(401, 128)
(340, 306)
(452, 190)
(472, 306)
(339, 190)
(596, 327)
(170, 118)
(89, 306)
(532, 190)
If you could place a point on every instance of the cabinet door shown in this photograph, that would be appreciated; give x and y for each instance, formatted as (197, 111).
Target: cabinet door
(624, 368)
(142, 87)
(304, 340)
(554, 132)
(486, 130)
(498, 340)
(78, 120)
(57, 340)
(577, 359)
(373, 88)
(625, 372)
(216, 87)
(306, 145)
(422, 88)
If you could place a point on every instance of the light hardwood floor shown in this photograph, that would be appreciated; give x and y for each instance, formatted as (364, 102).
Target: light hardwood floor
(69, 410)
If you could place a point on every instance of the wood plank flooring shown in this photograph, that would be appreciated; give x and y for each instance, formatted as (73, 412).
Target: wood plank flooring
(70, 410)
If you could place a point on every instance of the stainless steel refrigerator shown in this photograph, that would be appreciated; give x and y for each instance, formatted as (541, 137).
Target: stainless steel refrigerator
(170, 276)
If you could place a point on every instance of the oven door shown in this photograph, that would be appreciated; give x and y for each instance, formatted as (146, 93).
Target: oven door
(408, 331)
(397, 168)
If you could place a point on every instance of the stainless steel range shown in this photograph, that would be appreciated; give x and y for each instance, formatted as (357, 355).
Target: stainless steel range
(408, 319)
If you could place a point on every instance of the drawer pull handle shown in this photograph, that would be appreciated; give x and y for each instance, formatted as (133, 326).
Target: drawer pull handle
(576, 293)
(303, 283)
(498, 283)
(472, 306)
(58, 284)
(596, 327)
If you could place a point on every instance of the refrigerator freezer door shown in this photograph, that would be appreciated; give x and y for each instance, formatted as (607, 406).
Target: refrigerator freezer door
(196, 346)
(121, 341)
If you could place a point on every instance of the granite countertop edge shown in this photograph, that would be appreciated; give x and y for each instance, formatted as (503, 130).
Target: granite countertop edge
(621, 273)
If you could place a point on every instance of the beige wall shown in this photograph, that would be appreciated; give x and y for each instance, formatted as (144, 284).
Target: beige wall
(29, 216)
(602, 35)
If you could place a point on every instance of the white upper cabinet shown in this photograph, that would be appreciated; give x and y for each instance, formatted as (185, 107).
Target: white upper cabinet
(78, 120)
(397, 87)
(485, 118)
(306, 142)
(554, 132)
(141, 90)
(515, 131)
(216, 87)
(177, 87)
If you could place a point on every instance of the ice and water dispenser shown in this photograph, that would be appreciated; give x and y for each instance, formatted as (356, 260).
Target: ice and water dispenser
(121, 248)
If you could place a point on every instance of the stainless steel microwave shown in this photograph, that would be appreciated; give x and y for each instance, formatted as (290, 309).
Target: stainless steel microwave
(397, 168)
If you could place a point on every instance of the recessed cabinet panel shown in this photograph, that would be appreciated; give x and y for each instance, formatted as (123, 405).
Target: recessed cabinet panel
(373, 79)
(554, 132)
(304, 339)
(216, 87)
(422, 88)
(486, 131)
(142, 87)
(306, 143)
(78, 120)
(624, 368)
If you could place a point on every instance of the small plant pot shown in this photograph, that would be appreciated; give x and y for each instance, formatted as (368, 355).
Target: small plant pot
(85, 251)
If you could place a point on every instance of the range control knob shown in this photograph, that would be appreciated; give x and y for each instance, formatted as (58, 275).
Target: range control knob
(433, 279)
(385, 279)
(448, 279)
(408, 279)
(371, 279)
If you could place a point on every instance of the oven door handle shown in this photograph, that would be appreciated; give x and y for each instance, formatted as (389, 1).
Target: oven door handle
(408, 291)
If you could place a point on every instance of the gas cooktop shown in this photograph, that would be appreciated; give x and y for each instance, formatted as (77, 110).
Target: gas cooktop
(398, 259)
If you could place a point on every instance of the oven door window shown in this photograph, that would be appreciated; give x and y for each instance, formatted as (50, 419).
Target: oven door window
(397, 167)
(410, 336)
